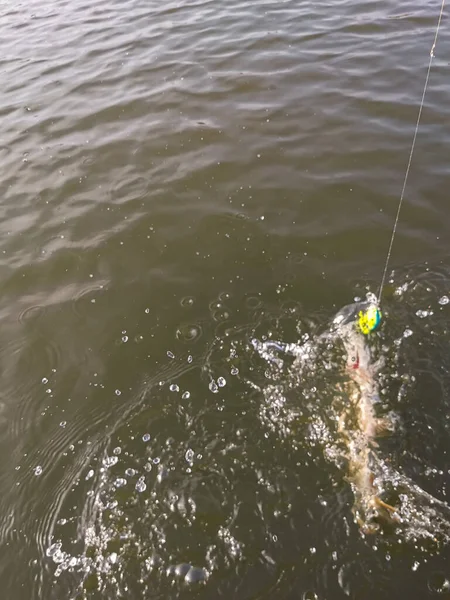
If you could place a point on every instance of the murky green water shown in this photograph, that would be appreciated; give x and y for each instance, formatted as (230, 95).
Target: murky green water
(176, 180)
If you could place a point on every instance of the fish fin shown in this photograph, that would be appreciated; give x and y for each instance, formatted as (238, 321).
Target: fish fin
(391, 510)
(379, 364)
(383, 426)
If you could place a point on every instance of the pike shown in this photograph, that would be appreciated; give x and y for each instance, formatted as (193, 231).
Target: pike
(358, 423)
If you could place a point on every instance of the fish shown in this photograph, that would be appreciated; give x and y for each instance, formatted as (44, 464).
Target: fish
(415, 513)
(358, 424)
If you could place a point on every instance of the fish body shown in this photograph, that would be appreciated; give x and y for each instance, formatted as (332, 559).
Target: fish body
(358, 423)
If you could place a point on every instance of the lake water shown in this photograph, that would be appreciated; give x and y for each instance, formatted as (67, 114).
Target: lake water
(176, 179)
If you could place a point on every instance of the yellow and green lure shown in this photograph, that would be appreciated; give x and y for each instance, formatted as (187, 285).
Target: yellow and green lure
(369, 319)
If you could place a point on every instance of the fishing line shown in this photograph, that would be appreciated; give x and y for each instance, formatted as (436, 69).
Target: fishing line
(412, 152)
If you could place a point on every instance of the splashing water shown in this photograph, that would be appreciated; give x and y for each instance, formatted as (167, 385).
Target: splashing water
(195, 486)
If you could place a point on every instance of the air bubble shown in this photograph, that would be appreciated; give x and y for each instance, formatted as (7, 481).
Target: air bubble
(222, 382)
(186, 395)
(146, 437)
(174, 388)
(444, 300)
(38, 471)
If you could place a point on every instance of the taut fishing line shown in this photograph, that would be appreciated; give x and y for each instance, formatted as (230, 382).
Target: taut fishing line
(411, 152)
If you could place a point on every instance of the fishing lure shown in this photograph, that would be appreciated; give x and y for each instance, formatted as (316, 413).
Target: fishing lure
(369, 319)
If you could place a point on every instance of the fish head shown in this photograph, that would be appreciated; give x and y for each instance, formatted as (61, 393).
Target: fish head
(365, 313)
(357, 352)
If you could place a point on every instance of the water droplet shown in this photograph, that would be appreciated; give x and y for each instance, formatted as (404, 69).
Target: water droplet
(130, 472)
(146, 437)
(63, 424)
(444, 300)
(186, 395)
(44, 380)
(170, 354)
(113, 558)
(187, 301)
(38, 471)
(234, 371)
(156, 461)
(141, 485)
(213, 387)
(117, 450)
(124, 339)
(53, 549)
(90, 474)
(189, 359)
(120, 482)
(110, 461)
(147, 310)
(407, 333)
(189, 456)
(118, 392)
(422, 314)
(174, 388)
(222, 382)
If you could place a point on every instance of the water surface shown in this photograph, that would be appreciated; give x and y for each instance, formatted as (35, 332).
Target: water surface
(176, 180)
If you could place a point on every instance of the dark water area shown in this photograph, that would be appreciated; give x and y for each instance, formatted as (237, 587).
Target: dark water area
(178, 179)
